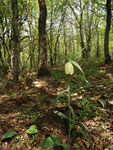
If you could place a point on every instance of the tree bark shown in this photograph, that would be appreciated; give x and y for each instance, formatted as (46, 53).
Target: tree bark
(107, 31)
(51, 35)
(16, 42)
(97, 45)
(42, 50)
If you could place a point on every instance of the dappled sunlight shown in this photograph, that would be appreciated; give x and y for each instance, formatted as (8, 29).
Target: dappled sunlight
(39, 84)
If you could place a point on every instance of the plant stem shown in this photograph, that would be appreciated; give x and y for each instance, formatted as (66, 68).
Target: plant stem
(69, 103)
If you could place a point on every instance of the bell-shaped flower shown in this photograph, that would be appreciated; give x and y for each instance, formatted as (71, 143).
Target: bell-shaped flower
(69, 69)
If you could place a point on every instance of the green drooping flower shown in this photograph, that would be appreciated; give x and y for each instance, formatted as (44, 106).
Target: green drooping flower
(69, 69)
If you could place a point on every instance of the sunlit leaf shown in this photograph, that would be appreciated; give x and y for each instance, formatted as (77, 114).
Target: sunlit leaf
(32, 129)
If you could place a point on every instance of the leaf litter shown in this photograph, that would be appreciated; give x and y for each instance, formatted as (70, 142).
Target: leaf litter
(18, 104)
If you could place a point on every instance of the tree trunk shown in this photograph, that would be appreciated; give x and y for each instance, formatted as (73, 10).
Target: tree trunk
(42, 50)
(106, 38)
(65, 42)
(97, 46)
(51, 35)
(16, 42)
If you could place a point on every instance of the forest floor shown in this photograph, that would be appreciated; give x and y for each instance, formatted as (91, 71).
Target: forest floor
(31, 103)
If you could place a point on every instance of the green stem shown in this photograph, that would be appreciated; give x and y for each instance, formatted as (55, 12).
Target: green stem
(69, 103)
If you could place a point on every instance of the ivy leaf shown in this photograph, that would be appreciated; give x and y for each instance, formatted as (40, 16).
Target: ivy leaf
(8, 134)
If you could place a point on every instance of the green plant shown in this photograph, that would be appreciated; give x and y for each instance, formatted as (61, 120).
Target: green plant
(32, 112)
(25, 92)
(102, 102)
(91, 71)
(32, 131)
(88, 108)
(71, 118)
(12, 95)
(21, 116)
(56, 75)
(69, 70)
(52, 142)
(8, 135)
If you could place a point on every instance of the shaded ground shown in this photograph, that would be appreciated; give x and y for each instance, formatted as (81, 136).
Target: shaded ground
(18, 105)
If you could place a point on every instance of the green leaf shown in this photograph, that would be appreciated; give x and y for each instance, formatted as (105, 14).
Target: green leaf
(72, 112)
(12, 94)
(76, 55)
(65, 146)
(60, 114)
(34, 118)
(78, 66)
(83, 129)
(8, 134)
(103, 102)
(32, 129)
(58, 97)
(50, 142)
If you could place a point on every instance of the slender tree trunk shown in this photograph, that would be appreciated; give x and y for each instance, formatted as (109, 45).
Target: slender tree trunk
(16, 42)
(42, 50)
(82, 42)
(65, 42)
(31, 46)
(51, 35)
(97, 45)
(107, 31)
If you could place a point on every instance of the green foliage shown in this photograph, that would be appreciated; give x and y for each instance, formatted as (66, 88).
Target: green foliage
(31, 112)
(34, 118)
(88, 108)
(21, 116)
(42, 97)
(12, 95)
(56, 75)
(32, 129)
(91, 71)
(107, 82)
(25, 92)
(52, 142)
(72, 117)
(59, 96)
(102, 102)
(8, 135)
